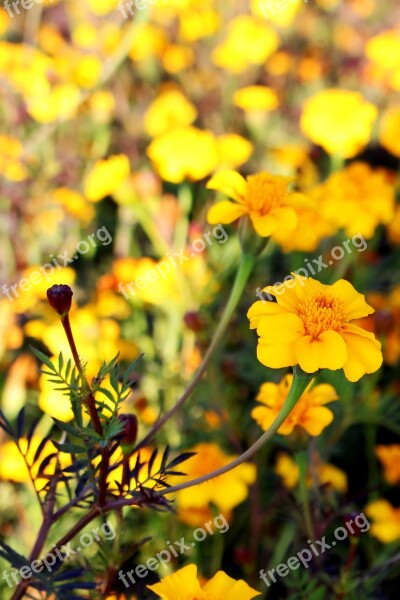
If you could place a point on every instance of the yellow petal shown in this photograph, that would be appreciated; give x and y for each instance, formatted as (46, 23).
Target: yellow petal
(281, 328)
(286, 216)
(225, 212)
(316, 419)
(355, 304)
(328, 351)
(323, 393)
(264, 225)
(230, 183)
(223, 586)
(364, 353)
(276, 356)
(262, 309)
(180, 585)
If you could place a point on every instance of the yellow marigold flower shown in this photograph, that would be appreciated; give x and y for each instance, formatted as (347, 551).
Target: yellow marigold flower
(327, 474)
(175, 163)
(250, 41)
(225, 491)
(60, 103)
(198, 23)
(11, 151)
(102, 105)
(170, 110)
(386, 521)
(394, 227)
(234, 150)
(256, 97)
(4, 22)
(390, 459)
(185, 585)
(273, 11)
(106, 176)
(87, 71)
(309, 412)
(263, 197)
(338, 120)
(176, 58)
(384, 50)
(310, 325)
(389, 131)
(74, 204)
(149, 41)
(358, 198)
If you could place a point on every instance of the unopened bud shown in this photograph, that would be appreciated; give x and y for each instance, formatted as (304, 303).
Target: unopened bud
(128, 435)
(60, 298)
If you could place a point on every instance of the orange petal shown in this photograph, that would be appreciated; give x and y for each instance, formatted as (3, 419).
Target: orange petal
(328, 351)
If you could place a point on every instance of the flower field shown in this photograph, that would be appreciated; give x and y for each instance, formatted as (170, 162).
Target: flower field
(200, 300)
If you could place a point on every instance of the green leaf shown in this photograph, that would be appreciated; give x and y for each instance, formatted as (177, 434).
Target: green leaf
(70, 448)
(66, 427)
(44, 359)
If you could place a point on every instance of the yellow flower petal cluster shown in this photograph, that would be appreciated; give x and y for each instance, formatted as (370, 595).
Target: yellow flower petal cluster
(327, 474)
(106, 176)
(309, 412)
(249, 41)
(226, 491)
(310, 325)
(11, 166)
(263, 197)
(389, 457)
(383, 50)
(389, 130)
(185, 585)
(338, 120)
(358, 199)
(386, 521)
(170, 110)
(256, 98)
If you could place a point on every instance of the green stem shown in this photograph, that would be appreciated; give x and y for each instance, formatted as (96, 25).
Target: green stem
(242, 276)
(302, 462)
(299, 384)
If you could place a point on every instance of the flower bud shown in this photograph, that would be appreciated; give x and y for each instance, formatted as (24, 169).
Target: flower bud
(60, 298)
(128, 435)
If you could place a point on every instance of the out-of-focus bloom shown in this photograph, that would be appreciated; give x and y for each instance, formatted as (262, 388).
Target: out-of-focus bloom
(338, 120)
(390, 459)
(282, 17)
(60, 103)
(101, 105)
(177, 58)
(310, 325)
(170, 110)
(385, 323)
(358, 198)
(249, 41)
(233, 150)
(383, 50)
(102, 7)
(11, 336)
(389, 131)
(11, 151)
(106, 176)
(74, 204)
(185, 585)
(226, 491)
(325, 473)
(263, 197)
(186, 153)
(394, 227)
(149, 41)
(386, 521)
(309, 412)
(256, 98)
(197, 23)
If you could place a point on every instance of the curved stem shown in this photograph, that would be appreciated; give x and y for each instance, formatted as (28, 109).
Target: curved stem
(242, 276)
(299, 384)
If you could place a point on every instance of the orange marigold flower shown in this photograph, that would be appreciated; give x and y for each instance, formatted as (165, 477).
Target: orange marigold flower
(390, 459)
(386, 525)
(309, 412)
(310, 325)
(185, 585)
(263, 197)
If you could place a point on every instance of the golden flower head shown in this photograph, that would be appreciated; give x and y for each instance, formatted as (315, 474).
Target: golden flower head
(263, 197)
(338, 120)
(326, 474)
(308, 413)
(185, 585)
(389, 456)
(310, 325)
(386, 520)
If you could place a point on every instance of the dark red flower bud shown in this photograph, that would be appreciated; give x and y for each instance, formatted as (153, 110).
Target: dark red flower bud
(128, 435)
(60, 298)
(193, 321)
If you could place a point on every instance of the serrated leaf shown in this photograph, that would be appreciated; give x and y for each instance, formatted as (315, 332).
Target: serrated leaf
(66, 427)
(70, 448)
(44, 359)
(180, 459)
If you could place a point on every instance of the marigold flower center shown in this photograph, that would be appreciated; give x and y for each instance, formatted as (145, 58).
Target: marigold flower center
(321, 312)
(264, 192)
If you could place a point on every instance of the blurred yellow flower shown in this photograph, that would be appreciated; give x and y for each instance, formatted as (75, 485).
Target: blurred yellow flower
(106, 176)
(250, 41)
(226, 491)
(198, 23)
(389, 130)
(102, 7)
(87, 71)
(149, 41)
(386, 521)
(61, 103)
(281, 14)
(185, 585)
(102, 105)
(256, 98)
(176, 58)
(171, 109)
(389, 456)
(326, 474)
(74, 204)
(309, 412)
(263, 197)
(394, 227)
(53, 402)
(185, 153)
(233, 150)
(338, 120)
(358, 199)
(310, 325)
(383, 50)
(11, 166)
